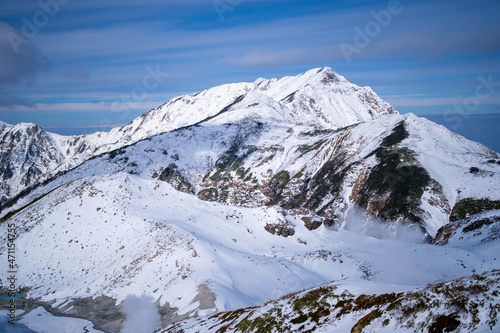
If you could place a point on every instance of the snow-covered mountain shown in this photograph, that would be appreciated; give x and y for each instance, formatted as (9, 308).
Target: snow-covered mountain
(243, 193)
(319, 97)
(400, 168)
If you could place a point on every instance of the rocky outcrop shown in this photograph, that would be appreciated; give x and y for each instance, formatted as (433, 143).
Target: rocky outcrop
(27, 156)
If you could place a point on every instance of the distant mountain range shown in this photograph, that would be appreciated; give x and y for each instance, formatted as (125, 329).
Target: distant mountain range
(244, 193)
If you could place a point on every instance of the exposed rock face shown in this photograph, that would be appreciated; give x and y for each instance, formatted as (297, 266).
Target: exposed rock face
(27, 155)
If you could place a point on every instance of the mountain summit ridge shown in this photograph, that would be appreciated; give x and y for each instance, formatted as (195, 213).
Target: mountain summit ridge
(353, 103)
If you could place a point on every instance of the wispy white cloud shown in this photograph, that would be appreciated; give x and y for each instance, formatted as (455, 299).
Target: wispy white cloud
(80, 107)
(266, 58)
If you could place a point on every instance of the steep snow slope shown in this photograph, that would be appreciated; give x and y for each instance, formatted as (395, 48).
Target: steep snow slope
(472, 232)
(323, 98)
(120, 234)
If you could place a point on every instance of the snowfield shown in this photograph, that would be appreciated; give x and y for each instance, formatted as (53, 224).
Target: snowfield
(120, 235)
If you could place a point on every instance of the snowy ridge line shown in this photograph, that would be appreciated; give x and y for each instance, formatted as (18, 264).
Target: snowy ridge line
(318, 97)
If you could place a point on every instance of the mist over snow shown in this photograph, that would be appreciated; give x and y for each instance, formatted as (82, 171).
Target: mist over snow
(141, 315)
(358, 220)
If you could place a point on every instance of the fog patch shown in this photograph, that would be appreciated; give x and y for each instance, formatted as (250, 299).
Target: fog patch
(358, 220)
(141, 315)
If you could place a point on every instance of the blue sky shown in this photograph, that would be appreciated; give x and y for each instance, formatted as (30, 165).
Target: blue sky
(89, 65)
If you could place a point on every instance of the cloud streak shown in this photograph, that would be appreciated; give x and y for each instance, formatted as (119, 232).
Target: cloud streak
(21, 61)
(76, 107)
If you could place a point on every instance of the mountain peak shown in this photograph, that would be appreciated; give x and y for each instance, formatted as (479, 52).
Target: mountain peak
(326, 73)
(318, 97)
(323, 75)
(326, 98)
(28, 128)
